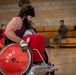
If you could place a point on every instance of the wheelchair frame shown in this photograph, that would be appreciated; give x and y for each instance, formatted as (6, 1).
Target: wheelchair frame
(35, 69)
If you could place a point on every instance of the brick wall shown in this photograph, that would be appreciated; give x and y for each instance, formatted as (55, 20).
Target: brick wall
(48, 12)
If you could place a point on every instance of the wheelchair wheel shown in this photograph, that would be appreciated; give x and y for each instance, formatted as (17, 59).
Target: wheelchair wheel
(1, 73)
(13, 61)
(47, 61)
(46, 57)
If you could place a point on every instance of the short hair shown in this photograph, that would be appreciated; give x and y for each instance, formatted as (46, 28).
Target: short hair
(62, 21)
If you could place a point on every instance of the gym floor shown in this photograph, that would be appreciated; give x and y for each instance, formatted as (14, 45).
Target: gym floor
(64, 59)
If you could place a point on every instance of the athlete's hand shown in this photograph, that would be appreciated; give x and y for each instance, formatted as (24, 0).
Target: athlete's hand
(24, 45)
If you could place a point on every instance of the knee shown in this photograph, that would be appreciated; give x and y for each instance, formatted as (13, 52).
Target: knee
(59, 37)
(41, 37)
(54, 38)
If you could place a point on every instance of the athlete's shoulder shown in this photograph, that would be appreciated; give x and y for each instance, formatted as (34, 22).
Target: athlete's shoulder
(16, 19)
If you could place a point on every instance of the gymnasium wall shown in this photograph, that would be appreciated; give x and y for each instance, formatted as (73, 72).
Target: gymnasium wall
(48, 12)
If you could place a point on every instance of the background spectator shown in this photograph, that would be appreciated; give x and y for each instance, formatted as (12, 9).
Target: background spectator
(62, 34)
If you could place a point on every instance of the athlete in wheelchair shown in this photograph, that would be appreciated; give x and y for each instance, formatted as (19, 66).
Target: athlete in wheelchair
(27, 54)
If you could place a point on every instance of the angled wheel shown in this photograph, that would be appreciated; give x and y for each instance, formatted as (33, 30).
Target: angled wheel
(46, 57)
(1, 73)
(13, 61)
(47, 61)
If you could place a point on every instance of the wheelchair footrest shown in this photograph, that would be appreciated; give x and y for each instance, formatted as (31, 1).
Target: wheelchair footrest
(41, 69)
(52, 68)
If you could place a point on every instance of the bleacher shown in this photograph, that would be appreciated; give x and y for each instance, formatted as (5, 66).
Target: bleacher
(50, 31)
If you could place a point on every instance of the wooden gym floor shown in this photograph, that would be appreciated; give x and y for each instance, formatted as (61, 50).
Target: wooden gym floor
(65, 60)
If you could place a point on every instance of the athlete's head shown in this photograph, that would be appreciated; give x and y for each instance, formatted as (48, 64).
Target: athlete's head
(27, 13)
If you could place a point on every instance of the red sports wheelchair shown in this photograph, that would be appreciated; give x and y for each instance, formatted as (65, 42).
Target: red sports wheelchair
(13, 61)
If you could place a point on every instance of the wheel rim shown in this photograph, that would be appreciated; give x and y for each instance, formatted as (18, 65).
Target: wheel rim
(19, 64)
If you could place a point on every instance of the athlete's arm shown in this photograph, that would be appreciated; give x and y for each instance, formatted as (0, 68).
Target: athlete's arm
(12, 26)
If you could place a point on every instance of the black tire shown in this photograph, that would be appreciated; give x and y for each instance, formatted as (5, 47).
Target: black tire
(31, 61)
(1, 73)
(51, 73)
(46, 57)
(47, 61)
